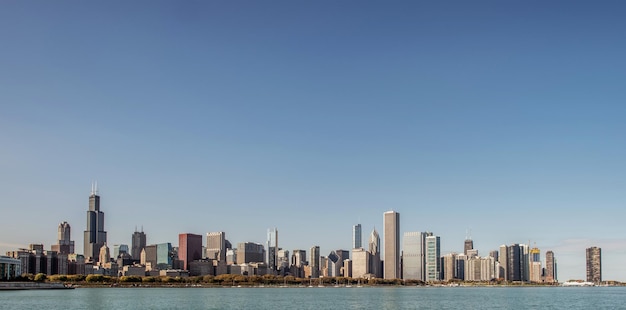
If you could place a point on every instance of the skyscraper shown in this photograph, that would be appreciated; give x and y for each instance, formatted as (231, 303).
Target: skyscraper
(95, 236)
(433, 263)
(250, 252)
(314, 261)
(64, 244)
(272, 249)
(216, 246)
(391, 229)
(413, 256)
(594, 265)
(535, 265)
(356, 236)
(138, 244)
(374, 250)
(189, 248)
(550, 267)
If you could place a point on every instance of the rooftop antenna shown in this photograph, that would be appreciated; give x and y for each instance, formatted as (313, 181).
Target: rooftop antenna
(92, 191)
(96, 188)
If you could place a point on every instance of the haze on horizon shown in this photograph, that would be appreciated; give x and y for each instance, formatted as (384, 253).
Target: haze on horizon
(506, 118)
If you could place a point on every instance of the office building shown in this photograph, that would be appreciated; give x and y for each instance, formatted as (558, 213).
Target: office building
(594, 265)
(314, 261)
(138, 244)
(449, 266)
(413, 256)
(272, 249)
(535, 272)
(64, 244)
(165, 256)
(360, 263)
(189, 248)
(250, 252)
(216, 246)
(550, 272)
(433, 263)
(95, 236)
(356, 236)
(391, 229)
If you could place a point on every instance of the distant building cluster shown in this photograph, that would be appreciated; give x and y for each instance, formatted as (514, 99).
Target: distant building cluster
(419, 258)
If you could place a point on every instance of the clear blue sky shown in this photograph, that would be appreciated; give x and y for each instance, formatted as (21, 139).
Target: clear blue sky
(506, 117)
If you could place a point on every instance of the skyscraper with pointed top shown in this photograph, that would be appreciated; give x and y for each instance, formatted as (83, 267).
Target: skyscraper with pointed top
(95, 236)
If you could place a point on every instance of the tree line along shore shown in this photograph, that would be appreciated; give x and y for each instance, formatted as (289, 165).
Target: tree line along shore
(228, 280)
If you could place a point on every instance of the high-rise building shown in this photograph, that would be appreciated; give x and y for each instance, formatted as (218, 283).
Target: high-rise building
(64, 244)
(360, 262)
(343, 255)
(594, 265)
(272, 249)
(356, 236)
(550, 274)
(374, 250)
(189, 248)
(165, 259)
(535, 265)
(413, 256)
(503, 262)
(468, 245)
(433, 254)
(517, 262)
(298, 258)
(314, 261)
(449, 266)
(95, 236)
(138, 244)
(250, 252)
(216, 246)
(391, 223)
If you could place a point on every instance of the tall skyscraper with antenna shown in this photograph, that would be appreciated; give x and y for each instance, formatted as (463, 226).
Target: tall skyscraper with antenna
(138, 243)
(95, 235)
(469, 243)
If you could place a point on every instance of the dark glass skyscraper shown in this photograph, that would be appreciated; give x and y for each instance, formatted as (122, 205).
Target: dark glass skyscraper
(95, 236)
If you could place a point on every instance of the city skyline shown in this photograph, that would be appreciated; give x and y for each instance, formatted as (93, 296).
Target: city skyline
(505, 118)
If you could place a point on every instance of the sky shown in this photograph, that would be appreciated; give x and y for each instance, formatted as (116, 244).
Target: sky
(503, 118)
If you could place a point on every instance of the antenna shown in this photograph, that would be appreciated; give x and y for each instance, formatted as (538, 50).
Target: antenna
(96, 188)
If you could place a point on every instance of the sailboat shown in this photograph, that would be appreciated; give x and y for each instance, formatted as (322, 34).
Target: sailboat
(359, 283)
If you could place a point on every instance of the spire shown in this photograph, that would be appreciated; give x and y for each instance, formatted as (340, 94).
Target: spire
(92, 189)
(96, 188)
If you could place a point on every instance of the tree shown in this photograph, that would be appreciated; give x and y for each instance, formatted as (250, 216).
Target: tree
(40, 277)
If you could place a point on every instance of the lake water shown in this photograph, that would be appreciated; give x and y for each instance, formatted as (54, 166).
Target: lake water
(570, 298)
